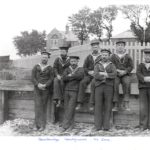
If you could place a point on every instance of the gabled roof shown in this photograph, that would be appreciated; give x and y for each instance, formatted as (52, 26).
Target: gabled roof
(70, 36)
(126, 34)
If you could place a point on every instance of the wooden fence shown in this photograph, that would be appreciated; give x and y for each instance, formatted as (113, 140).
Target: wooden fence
(133, 48)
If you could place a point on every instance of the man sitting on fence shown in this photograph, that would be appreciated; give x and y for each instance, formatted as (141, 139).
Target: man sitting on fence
(71, 77)
(143, 74)
(60, 64)
(124, 65)
(88, 66)
(42, 78)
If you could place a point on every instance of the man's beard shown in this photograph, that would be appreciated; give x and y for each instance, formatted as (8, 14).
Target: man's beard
(95, 51)
(104, 59)
(63, 56)
(120, 51)
(74, 66)
(44, 62)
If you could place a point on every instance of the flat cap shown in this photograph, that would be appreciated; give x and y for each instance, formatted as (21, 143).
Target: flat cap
(45, 52)
(106, 50)
(118, 42)
(74, 57)
(95, 41)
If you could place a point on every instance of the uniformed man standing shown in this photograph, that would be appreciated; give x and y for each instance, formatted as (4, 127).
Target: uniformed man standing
(71, 77)
(60, 64)
(105, 73)
(143, 75)
(42, 78)
(88, 66)
(124, 66)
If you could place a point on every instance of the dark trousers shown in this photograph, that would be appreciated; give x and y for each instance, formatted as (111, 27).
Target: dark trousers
(125, 81)
(58, 89)
(144, 107)
(70, 98)
(103, 106)
(41, 99)
(82, 87)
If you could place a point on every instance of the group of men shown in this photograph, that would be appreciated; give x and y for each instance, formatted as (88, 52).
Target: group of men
(66, 83)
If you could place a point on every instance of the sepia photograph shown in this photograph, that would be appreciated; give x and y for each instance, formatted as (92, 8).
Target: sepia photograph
(75, 70)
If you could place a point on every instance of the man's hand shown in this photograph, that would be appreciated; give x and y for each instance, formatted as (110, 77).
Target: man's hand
(91, 73)
(121, 72)
(41, 86)
(58, 77)
(147, 79)
(104, 74)
(70, 75)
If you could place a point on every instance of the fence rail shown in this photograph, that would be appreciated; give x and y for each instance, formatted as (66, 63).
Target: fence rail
(133, 49)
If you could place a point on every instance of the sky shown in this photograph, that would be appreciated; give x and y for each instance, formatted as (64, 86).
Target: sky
(24, 15)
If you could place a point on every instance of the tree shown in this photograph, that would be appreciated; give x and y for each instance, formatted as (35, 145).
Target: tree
(139, 15)
(101, 19)
(95, 23)
(79, 22)
(30, 43)
(109, 15)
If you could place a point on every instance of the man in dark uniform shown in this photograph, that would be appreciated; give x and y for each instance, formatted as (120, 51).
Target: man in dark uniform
(143, 75)
(60, 64)
(105, 73)
(88, 66)
(124, 66)
(42, 78)
(71, 77)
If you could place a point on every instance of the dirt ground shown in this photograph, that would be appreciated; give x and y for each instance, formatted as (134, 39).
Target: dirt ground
(22, 127)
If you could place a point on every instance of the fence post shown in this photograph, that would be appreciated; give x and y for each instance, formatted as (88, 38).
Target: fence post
(2, 102)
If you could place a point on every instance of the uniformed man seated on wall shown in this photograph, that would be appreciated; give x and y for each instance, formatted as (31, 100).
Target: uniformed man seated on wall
(88, 66)
(60, 64)
(124, 66)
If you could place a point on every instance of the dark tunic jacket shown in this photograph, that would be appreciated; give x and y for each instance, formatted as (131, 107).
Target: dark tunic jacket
(125, 63)
(44, 77)
(72, 82)
(89, 63)
(60, 65)
(101, 79)
(142, 72)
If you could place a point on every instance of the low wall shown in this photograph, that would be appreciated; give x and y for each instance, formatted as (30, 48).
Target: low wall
(20, 104)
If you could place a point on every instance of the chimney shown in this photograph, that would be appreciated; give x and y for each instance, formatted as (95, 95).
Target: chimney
(67, 29)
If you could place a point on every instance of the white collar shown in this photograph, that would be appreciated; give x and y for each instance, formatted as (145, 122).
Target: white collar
(43, 66)
(105, 64)
(121, 55)
(73, 70)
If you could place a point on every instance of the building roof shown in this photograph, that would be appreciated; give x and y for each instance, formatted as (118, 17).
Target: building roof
(126, 34)
(69, 36)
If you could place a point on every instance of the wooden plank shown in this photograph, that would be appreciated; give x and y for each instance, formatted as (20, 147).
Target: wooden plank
(21, 104)
(19, 113)
(134, 89)
(126, 120)
(16, 85)
(84, 118)
(21, 95)
(2, 100)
